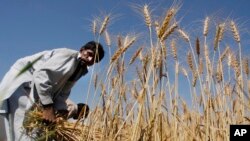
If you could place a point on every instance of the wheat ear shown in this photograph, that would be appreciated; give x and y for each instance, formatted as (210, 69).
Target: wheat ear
(169, 31)
(205, 29)
(197, 45)
(169, 15)
(147, 16)
(93, 27)
(235, 31)
(104, 24)
(135, 56)
(184, 35)
(190, 61)
(174, 49)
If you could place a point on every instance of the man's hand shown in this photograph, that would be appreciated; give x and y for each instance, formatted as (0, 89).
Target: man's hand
(49, 114)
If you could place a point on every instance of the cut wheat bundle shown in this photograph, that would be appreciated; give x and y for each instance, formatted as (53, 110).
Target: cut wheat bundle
(63, 130)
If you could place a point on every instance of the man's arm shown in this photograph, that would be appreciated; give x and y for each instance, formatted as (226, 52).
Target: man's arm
(46, 79)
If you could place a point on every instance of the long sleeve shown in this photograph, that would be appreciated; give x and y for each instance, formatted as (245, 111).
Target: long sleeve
(50, 77)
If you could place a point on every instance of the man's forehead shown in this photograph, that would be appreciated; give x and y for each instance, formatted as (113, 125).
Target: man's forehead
(88, 50)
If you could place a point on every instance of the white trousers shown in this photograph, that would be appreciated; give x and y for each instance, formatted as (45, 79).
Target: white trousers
(17, 104)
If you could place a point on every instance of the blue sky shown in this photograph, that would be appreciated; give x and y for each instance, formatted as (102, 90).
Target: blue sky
(30, 26)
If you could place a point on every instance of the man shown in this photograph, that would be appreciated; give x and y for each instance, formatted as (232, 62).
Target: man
(47, 81)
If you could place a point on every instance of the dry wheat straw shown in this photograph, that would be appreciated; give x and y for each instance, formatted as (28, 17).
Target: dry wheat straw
(147, 15)
(206, 22)
(104, 24)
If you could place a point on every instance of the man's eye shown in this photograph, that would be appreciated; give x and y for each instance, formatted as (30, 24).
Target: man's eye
(91, 54)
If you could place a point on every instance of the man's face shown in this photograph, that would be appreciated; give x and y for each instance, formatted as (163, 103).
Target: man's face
(87, 56)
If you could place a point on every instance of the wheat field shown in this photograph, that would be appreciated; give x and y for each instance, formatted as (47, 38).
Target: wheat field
(139, 95)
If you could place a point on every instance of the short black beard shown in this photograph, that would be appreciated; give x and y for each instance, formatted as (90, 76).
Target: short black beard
(83, 63)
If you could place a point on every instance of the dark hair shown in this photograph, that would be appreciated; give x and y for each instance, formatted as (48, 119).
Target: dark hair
(96, 48)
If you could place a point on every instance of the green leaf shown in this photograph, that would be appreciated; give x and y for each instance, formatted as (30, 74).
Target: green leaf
(28, 66)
